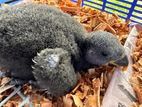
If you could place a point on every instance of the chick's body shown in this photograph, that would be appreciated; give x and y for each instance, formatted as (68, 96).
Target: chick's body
(28, 29)
(45, 45)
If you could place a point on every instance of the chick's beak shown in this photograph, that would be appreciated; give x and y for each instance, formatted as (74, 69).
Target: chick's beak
(120, 62)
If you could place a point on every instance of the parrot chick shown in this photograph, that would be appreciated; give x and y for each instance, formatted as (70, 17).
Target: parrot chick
(63, 44)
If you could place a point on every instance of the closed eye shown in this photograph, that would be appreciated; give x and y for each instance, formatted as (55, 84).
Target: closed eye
(91, 52)
(104, 54)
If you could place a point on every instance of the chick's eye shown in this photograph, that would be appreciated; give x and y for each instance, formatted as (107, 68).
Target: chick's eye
(91, 51)
(104, 54)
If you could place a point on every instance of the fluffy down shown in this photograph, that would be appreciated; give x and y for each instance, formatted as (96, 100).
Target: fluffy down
(45, 46)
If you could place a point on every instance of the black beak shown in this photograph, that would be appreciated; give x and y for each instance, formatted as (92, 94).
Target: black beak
(121, 62)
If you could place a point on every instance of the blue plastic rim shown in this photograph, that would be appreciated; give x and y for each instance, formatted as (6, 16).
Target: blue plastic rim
(126, 9)
(2, 1)
(10, 2)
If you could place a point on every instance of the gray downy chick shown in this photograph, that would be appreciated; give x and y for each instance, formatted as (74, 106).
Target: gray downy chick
(27, 29)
